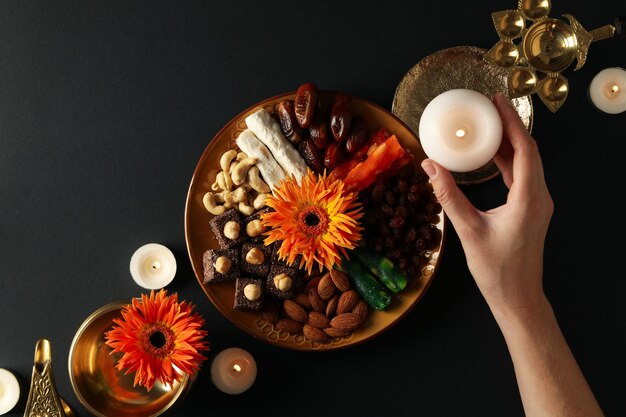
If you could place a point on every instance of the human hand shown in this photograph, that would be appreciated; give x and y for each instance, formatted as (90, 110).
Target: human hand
(503, 246)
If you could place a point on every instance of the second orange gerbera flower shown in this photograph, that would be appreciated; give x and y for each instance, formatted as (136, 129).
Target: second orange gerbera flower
(316, 219)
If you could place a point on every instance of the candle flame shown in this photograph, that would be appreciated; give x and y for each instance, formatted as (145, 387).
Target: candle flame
(236, 368)
(156, 265)
(460, 133)
(614, 89)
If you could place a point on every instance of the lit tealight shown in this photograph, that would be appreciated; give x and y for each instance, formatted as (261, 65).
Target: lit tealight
(460, 130)
(153, 266)
(233, 371)
(607, 90)
(9, 391)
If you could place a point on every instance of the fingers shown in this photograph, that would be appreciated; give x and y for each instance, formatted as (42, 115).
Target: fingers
(463, 215)
(504, 161)
(524, 168)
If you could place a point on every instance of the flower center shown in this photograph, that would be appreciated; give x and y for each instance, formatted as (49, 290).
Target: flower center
(158, 341)
(313, 220)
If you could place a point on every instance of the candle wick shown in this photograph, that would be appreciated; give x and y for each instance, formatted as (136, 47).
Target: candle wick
(614, 89)
(156, 265)
(460, 133)
(236, 368)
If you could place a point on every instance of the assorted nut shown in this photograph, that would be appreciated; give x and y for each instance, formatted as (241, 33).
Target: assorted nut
(222, 264)
(319, 319)
(255, 256)
(283, 282)
(255, 228)
(231, 230)
(252, 292)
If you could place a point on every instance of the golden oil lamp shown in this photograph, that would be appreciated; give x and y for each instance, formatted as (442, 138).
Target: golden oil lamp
(536, 53)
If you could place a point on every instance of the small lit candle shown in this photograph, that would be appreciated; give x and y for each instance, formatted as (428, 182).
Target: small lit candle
(461, 130)
(607, 90)
(233, 371)
(153, 266)
(9, 391)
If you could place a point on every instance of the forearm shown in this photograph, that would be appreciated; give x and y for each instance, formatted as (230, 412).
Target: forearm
(549, 379)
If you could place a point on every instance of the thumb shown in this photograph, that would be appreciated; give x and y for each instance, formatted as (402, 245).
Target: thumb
(457, 207)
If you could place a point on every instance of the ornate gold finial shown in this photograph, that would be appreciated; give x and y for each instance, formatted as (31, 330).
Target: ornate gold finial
(535, 53)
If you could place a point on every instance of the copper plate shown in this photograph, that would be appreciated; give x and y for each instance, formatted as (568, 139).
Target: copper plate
(102, 389)
(448, 69)
(199, 237)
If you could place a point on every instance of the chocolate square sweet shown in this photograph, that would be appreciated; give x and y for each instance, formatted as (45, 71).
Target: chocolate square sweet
(228, 229)
(253, 228)
(281, 281)
(255, 259)
(220, 265)
(248, 294)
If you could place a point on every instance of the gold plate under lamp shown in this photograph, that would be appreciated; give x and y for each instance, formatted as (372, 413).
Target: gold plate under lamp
(100, 387)
(535, 53)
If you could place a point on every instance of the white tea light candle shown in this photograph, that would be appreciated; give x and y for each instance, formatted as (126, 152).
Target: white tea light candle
(461, 130)
(233, 371)
(607, 90)
(153, 266)
(9, 391)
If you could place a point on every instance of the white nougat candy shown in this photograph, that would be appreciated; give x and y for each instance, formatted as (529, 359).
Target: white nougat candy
(268, 131)
(270, 170)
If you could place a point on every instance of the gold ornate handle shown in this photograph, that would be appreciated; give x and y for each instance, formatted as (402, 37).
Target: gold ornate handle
(618, 28)
(43, 399)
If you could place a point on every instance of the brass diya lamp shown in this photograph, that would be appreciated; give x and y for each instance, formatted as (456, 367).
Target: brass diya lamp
(535, 53)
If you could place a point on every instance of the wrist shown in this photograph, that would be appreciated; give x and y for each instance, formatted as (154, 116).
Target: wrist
(536, 309)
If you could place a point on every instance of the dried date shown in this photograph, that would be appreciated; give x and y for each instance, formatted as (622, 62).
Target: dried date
(341, 117)
(288, 123)
(305, 104)
(318, 130)
(334, 155)
(358, 135)
(312, 155)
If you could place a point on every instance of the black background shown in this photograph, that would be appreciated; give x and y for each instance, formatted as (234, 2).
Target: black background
(105, 108)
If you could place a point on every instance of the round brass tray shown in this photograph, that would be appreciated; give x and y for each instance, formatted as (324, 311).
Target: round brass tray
(448, 69)
(199, 237)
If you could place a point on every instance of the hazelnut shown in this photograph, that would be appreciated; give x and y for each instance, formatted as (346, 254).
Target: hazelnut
(222, 264)
(282, 282)
(255, 256)
(252, 292)
(231, 230)
(255, 228)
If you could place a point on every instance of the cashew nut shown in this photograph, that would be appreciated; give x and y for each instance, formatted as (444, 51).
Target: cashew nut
(239, 195)
(245, 209)
(241, 156)
(224, 181)
(255, 181)
(209, 203)
(259, 201)
(226, 158)
(240, 171)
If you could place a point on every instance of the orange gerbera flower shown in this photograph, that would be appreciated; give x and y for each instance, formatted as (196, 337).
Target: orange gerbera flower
(315, 219)
(160, 338)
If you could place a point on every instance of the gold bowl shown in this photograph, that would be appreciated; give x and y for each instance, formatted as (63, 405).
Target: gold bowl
(100, 387)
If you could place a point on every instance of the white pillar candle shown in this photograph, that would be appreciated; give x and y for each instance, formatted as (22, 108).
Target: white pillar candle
(233, 371)
(607, 90)
(461, 130)
(153, 266)
(9, 391)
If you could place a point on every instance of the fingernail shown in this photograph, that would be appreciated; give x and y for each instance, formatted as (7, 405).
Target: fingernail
(430, 169)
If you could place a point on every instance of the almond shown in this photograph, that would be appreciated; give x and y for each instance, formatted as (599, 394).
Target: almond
(340, 280)
(302, 299)
(295, 311)
(325, 287)
(312, 283)
(314, 334)
(331, 307)
(334, 332)
(289, 325)
(346, 321)
(316, 301)
(318, 320)
(347, 301)
(361, 309)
